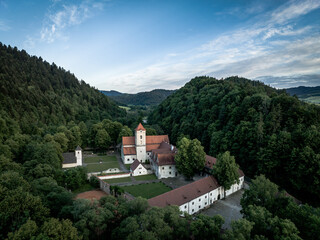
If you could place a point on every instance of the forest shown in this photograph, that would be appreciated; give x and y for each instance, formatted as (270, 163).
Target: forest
(153, 97)
(268, 131)
(46, 111)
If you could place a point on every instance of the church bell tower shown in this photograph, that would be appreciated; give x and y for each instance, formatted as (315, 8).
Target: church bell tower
(140, 141)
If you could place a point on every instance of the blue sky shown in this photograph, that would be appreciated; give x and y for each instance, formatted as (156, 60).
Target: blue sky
(136, 45)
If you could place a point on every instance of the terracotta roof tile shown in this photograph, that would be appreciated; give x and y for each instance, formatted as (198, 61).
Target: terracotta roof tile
(157, 139)
(210, 161)
(128, 141)
(140, 127)
(166, 159)
(129, 151)
(151, 147)
(185, 193)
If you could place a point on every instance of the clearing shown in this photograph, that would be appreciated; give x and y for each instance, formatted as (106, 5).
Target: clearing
(91, 195)
(147, 190)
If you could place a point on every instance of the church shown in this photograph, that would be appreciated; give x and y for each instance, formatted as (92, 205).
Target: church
(140, 146)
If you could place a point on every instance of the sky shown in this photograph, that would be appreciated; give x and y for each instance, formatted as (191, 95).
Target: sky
(140, 45)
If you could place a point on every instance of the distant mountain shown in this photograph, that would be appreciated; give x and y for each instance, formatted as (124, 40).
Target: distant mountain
(111, 93)
(307, 94)
(154, 97)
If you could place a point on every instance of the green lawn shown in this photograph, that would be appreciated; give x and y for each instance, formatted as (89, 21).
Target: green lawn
(98, 159)
(118, 180)
(94, 165)
(145, 177)
(84, 188)
(128, 166)
(148, 190)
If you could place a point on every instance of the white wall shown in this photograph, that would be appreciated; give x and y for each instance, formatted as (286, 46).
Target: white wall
(141, 153)
(78, 154)
(128, 159)
(235, 187)
(120, 175)
(140, 170)
(166, 171)
(69, 165)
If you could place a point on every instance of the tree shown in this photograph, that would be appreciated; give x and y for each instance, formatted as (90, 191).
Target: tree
(205, 227)
(226, 170)
(125, 131)
(240, 230)
(262, 192)
(102, 139)
(58, 230)
(190, 157)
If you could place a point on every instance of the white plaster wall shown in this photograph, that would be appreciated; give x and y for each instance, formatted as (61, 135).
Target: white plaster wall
(167, 171)
(79, 157)
(120, 175)
(69, 165)
(128, 159)
(140, 170)
(235, 187)
(141, 153)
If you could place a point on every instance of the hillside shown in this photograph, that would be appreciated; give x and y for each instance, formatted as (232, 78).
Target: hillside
(153, 97)
(34, 93)
(307, 94)
(266, 130)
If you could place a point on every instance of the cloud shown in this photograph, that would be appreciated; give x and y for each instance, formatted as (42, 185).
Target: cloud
(293, 80)
(294, 9)
(272, 46)
(62, 16)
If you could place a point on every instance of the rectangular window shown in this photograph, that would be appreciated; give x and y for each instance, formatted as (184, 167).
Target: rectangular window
(185, 206)
(162, 168)
(199, 199)
(206, 196)
(169, 167)
(192, 210)
(199, 206)
(210, 194)
(170, 173)
(140, 136)
(205, 203)
(192, 203)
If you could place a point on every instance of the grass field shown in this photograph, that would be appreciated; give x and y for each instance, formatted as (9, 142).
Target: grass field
(118, 180)
(148, 190)
(145, 177)
(97, 159)
(128, 166)
(94, 165)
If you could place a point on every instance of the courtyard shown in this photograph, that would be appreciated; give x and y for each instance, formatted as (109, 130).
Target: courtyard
(147, 190)
(229, 208)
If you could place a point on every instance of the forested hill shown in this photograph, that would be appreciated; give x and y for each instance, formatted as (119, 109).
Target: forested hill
(266, 130)
(308, 94)
(34, 93)
(153, 97)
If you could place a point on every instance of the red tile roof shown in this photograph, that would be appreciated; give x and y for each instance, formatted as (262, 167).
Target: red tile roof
(140, 127)
(134, 165)
(166, 159)
(151, 147)
(128, 141)
(129, 151)
(187, 193)
(157, 139)
(210, 161)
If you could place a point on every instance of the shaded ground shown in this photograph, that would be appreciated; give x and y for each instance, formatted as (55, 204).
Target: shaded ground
(228, 208)
(179, 181)
(91, 195)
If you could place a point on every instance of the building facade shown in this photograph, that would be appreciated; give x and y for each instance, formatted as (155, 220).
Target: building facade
(140, 146)
(72, 159)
